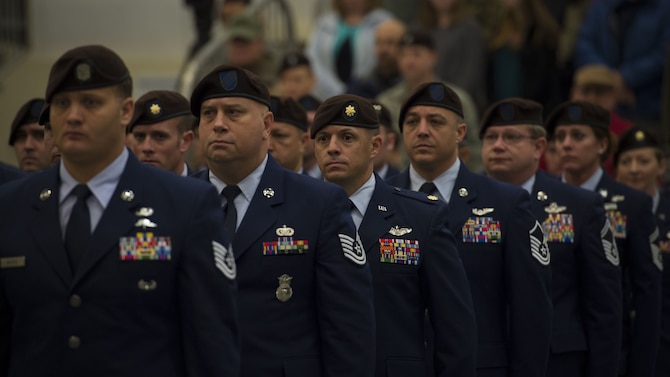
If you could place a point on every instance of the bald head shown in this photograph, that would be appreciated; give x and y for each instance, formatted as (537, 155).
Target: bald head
(388, 35)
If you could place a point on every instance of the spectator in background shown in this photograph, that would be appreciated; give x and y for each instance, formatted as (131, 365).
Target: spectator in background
(231, 8)
(417, 61)
(631, 37)
(202, 16)
(341, 44)
(296, 78)
(522, 55)
(33, 153)
(388, 37)
(453, 26)
(595, 84)
(246, 48)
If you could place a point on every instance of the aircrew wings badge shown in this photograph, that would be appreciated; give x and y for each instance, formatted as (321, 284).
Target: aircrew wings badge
(538, 245)
(352, 248)
(609, 245)
(224, 260)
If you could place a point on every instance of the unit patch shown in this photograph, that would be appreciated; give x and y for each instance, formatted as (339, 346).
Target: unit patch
(399, 251)
(558, 227)
(481, 230)
(144, 246)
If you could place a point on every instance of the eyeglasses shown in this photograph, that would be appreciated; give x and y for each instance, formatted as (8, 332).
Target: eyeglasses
(508, 138)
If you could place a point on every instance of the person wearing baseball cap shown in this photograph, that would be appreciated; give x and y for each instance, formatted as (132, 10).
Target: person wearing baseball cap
(407, 284)
(33, 150)
(302, 273)
(581, 131)
(160, 131)
(126, 261)
(586, 278)
(502, 246)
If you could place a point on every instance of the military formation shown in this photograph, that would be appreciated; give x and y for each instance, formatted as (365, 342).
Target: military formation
(299, 249)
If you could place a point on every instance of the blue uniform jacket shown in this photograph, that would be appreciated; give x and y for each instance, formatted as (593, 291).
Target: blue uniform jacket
(326, 327)
(9, 173)
(663, 222)
(116, 317)
(510, 286)
(629, 212)
(586, 277)
(406, 284)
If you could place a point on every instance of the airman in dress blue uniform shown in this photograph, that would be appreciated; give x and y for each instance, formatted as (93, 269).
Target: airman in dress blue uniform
(412, 254)
(582, 142)
(305, 289)
(640, 162)
(131, 276)
(586, 278)
(501, 244)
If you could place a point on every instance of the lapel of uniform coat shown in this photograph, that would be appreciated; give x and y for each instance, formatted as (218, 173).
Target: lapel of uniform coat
(375, 223)
(537, 203)
(460, 207)
(117, 219)
(45, 226)
(260, 216)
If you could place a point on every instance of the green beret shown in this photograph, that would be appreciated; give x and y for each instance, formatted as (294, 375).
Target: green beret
(229, 81)
(28, 113)
(82, 68)
(287, 110)
(432, 94)
(345, 110)
(511, 111)
(580, 113)
(157, 106)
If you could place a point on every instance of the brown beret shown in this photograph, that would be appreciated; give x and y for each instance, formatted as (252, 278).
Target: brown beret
(512, 111)
(157, 106)
(287, 110)
(345, 110)
(85, 67)
(28, 113)
(383, 114)
(432, 94)
(229, 81)
(309, 102)
(292, 60)
(635, 138)
(578, 112)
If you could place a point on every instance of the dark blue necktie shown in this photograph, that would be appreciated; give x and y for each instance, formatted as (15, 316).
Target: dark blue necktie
(230, 192)
(78, 230)
(428, 188)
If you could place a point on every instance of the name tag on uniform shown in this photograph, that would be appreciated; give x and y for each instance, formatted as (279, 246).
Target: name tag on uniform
(481, 230)
(399, 251)
(145, 246)
(13, 262)
(618, 222)
(558, 227)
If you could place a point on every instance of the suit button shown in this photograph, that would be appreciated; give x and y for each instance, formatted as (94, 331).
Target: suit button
(73, 342)
(75, 301)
